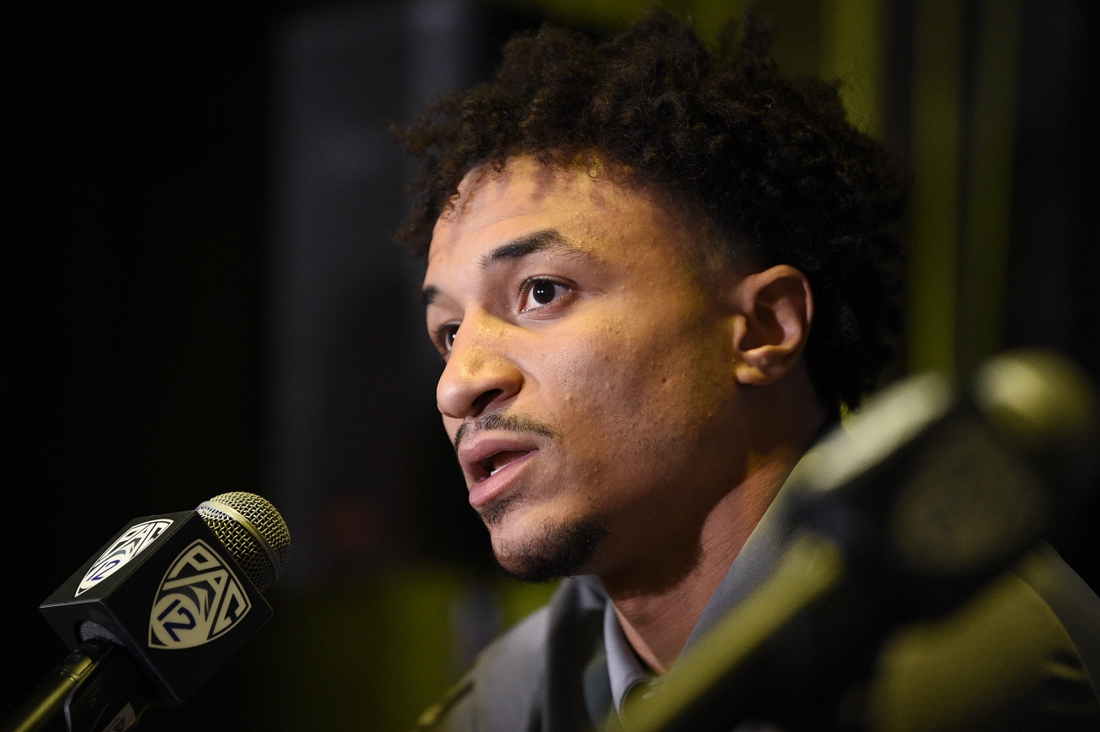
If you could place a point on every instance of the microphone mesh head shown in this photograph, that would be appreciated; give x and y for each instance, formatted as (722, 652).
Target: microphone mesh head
(252, 531)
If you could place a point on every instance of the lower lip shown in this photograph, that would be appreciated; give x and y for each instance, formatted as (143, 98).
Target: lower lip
(486, 490)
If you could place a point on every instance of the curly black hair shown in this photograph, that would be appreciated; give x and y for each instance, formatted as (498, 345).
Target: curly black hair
(770, 160)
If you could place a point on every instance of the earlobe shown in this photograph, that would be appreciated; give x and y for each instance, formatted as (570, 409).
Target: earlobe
(775, 310)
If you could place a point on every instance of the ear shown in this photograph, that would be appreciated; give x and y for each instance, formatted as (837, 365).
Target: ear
(774, 311)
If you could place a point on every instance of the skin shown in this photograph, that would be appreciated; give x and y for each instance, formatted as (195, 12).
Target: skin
(613, 374)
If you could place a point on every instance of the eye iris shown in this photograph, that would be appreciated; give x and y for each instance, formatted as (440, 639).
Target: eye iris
(543, 292)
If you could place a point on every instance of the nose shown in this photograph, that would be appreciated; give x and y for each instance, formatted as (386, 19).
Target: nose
(479, 372)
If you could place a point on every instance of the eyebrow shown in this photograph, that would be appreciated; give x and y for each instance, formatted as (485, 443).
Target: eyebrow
(539, 241)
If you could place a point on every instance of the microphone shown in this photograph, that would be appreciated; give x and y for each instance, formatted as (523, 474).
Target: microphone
(156, 612)
(905, 513)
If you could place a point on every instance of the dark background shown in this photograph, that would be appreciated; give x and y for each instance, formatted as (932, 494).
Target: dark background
(139, 296)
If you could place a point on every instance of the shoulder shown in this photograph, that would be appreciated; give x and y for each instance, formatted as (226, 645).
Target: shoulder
(1071, 601)
(1020, 655)
(502, 692)
(510, 668)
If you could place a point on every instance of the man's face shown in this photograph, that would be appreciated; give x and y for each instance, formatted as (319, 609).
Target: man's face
(588, 382)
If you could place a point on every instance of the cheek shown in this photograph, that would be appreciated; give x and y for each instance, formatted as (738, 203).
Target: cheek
(633, 393)
(644, 367)
(597, 368)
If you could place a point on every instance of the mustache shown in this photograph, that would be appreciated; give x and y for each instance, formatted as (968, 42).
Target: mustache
(505, 422)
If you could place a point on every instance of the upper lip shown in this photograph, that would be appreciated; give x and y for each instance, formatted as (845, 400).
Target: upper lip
(475, 455)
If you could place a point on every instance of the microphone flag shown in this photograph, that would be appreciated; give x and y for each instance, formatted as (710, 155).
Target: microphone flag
(167, 590)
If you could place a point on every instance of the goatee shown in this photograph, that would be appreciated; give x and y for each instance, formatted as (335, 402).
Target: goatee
(561, 550)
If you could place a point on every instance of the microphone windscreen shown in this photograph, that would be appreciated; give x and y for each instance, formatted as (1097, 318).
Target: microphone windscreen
(252, 531)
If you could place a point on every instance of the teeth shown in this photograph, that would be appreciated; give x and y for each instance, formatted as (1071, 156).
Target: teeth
(501, 460)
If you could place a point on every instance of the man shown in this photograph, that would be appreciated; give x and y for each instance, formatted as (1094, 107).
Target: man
(655, 273)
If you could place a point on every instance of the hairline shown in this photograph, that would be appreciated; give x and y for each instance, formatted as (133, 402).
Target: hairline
(717, 253)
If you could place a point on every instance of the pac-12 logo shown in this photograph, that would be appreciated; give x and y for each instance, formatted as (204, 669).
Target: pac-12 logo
(199, 600)
(135, 539)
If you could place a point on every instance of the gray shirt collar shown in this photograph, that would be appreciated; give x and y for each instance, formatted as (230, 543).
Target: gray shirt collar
(623, 666)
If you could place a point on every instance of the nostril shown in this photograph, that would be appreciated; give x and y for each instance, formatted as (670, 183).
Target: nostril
(486, 399)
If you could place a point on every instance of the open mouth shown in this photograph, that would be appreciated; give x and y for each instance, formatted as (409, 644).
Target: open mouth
(497, 461)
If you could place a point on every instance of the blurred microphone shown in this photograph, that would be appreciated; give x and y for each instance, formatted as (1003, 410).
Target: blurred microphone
(156, 612)
(916, 504)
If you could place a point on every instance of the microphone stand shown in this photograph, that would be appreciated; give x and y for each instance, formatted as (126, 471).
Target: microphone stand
(96, 688)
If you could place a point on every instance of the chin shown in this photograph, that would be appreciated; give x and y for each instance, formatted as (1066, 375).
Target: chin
(554, 549)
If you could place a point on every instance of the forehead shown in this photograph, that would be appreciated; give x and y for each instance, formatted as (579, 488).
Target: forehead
(596, 213)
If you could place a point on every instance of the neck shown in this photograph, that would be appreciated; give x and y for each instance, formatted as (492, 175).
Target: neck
(658, 619)
(658, 622)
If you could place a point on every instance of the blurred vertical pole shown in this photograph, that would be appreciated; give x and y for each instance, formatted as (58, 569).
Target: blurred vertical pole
(934, 210)
(350, 453)
(983, 258)
(852, 44)
(335, 292)
(1055, 250)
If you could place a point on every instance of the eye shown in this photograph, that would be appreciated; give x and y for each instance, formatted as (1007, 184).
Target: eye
(540, 292)
(445, 337)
